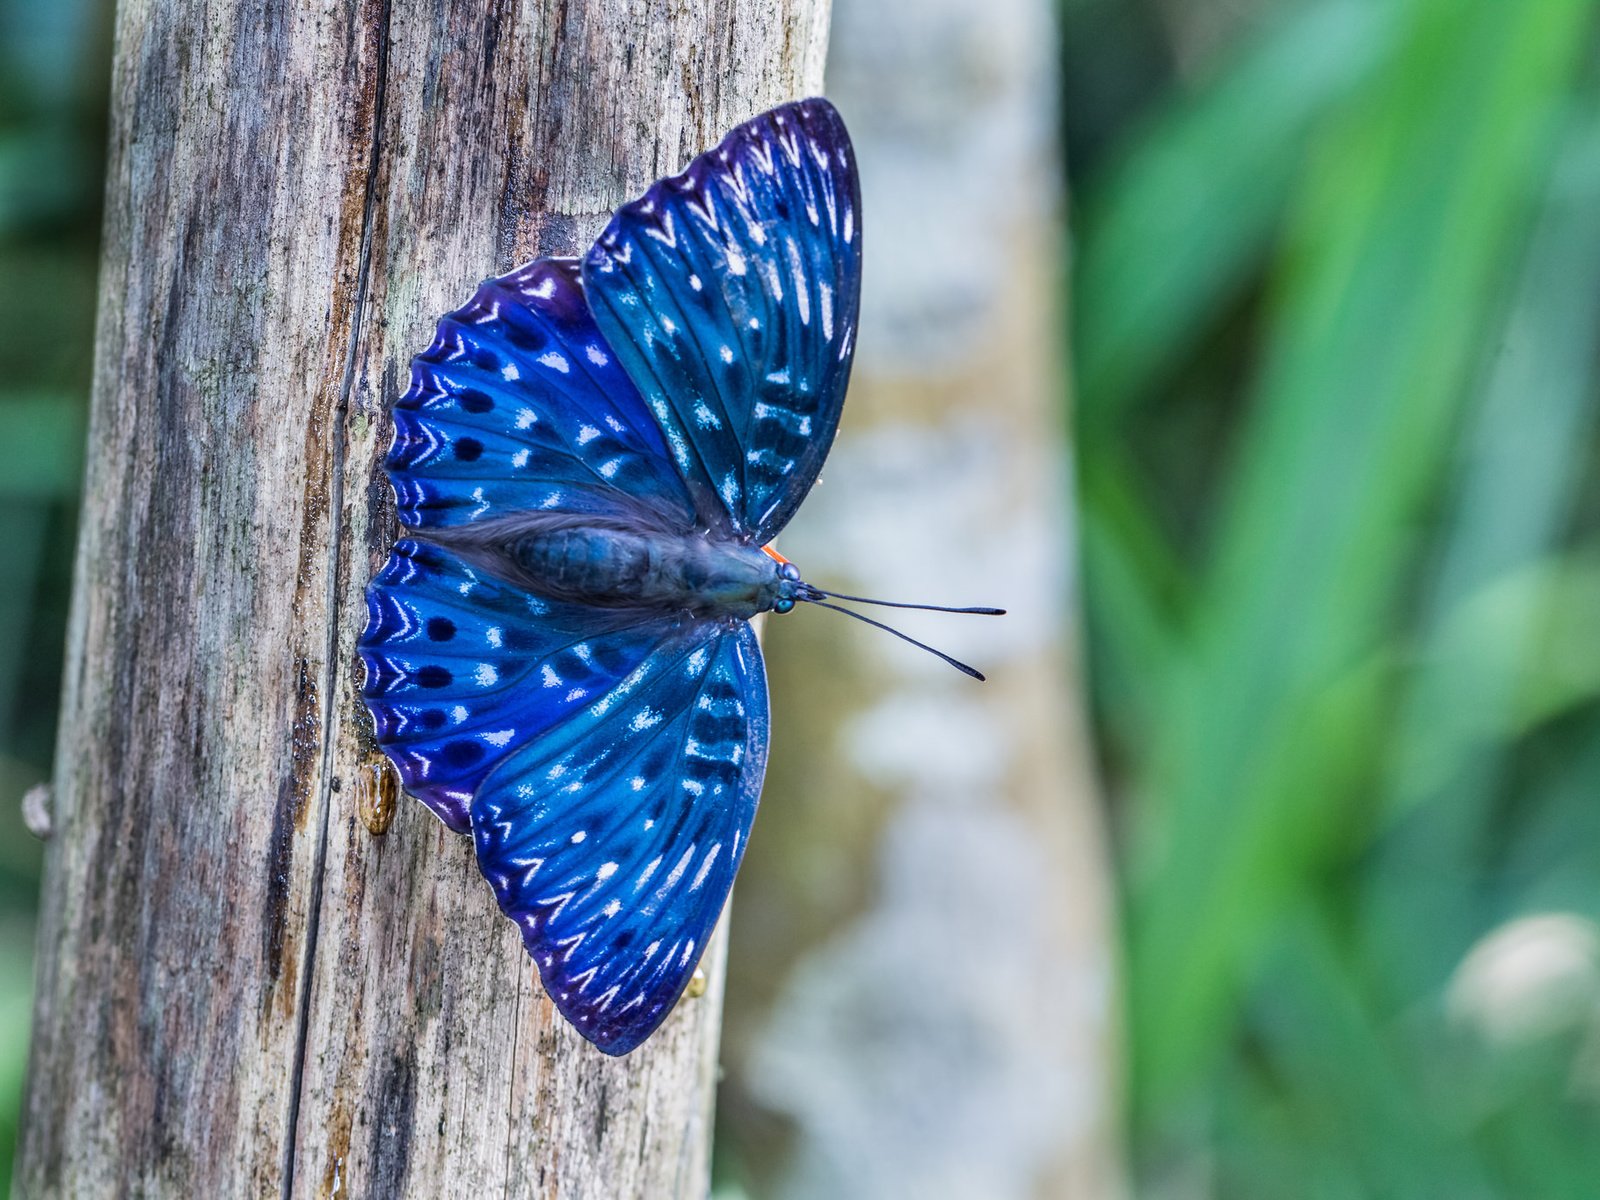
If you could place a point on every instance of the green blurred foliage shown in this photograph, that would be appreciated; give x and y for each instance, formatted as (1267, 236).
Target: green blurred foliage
(53, 81)
(1336, 287)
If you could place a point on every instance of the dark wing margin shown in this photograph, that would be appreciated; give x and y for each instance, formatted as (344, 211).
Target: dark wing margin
(613, 840)
(731, 294)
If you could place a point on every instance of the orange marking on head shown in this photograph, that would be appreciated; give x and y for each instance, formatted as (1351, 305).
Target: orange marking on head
(773, 554)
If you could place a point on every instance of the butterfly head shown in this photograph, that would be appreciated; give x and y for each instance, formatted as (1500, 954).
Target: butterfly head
(792, 590)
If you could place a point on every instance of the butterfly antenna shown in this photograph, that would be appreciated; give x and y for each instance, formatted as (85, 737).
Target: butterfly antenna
(981, 612)
(906, 637)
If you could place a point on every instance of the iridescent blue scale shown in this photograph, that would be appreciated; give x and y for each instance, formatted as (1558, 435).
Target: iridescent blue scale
(587, 463)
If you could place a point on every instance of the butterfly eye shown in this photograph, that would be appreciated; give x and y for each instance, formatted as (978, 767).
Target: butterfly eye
(790, 572)
(783, 606)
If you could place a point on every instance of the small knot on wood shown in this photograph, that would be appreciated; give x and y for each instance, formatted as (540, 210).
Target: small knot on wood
(36, 811)
(377, 794)
(697, 984)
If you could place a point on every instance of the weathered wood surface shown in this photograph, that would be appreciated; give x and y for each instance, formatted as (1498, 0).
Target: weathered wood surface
(924, 931)
(242, 990)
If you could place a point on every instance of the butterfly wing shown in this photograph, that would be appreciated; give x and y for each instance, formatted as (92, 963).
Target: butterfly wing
(612, 840)
(463, 669)
(730, 293)
(519, 405)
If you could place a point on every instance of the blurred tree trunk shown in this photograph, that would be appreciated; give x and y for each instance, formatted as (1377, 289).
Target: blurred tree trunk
(924, 928)
(245, 987)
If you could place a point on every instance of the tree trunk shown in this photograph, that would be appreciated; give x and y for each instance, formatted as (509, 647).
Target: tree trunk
(924, 930)
(245, 986)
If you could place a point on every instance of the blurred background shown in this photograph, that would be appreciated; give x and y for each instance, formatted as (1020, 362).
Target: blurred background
(54, 76)
(1332, 297)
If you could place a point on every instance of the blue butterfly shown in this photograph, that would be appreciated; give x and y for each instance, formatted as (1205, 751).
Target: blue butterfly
(588, 464)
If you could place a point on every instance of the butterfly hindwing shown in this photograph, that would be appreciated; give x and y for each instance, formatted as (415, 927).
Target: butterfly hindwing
(612, 840)
(462, 669)
(731, 295)
(520, 405)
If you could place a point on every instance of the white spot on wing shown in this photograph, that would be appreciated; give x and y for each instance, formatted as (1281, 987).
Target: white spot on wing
(705, 867)
(677, 872)
(797, 268)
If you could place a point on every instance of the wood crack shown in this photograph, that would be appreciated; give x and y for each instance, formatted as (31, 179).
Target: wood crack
(331, 647)
(511, 1094)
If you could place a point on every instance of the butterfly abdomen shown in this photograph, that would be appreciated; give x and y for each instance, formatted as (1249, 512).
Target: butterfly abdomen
(611, 568)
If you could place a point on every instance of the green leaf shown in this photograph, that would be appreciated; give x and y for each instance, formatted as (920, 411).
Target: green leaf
(1183, 221)
(1407, 227)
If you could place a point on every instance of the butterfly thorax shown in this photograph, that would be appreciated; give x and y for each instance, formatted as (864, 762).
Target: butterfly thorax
(615, 568)
(607, 564)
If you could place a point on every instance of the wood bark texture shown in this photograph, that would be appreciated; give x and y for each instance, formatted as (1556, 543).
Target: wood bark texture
(924, 944)
(243, 990)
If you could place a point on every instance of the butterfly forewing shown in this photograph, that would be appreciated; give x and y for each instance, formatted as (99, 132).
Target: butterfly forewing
(520, 405)
(731, 293)
(613, 841)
